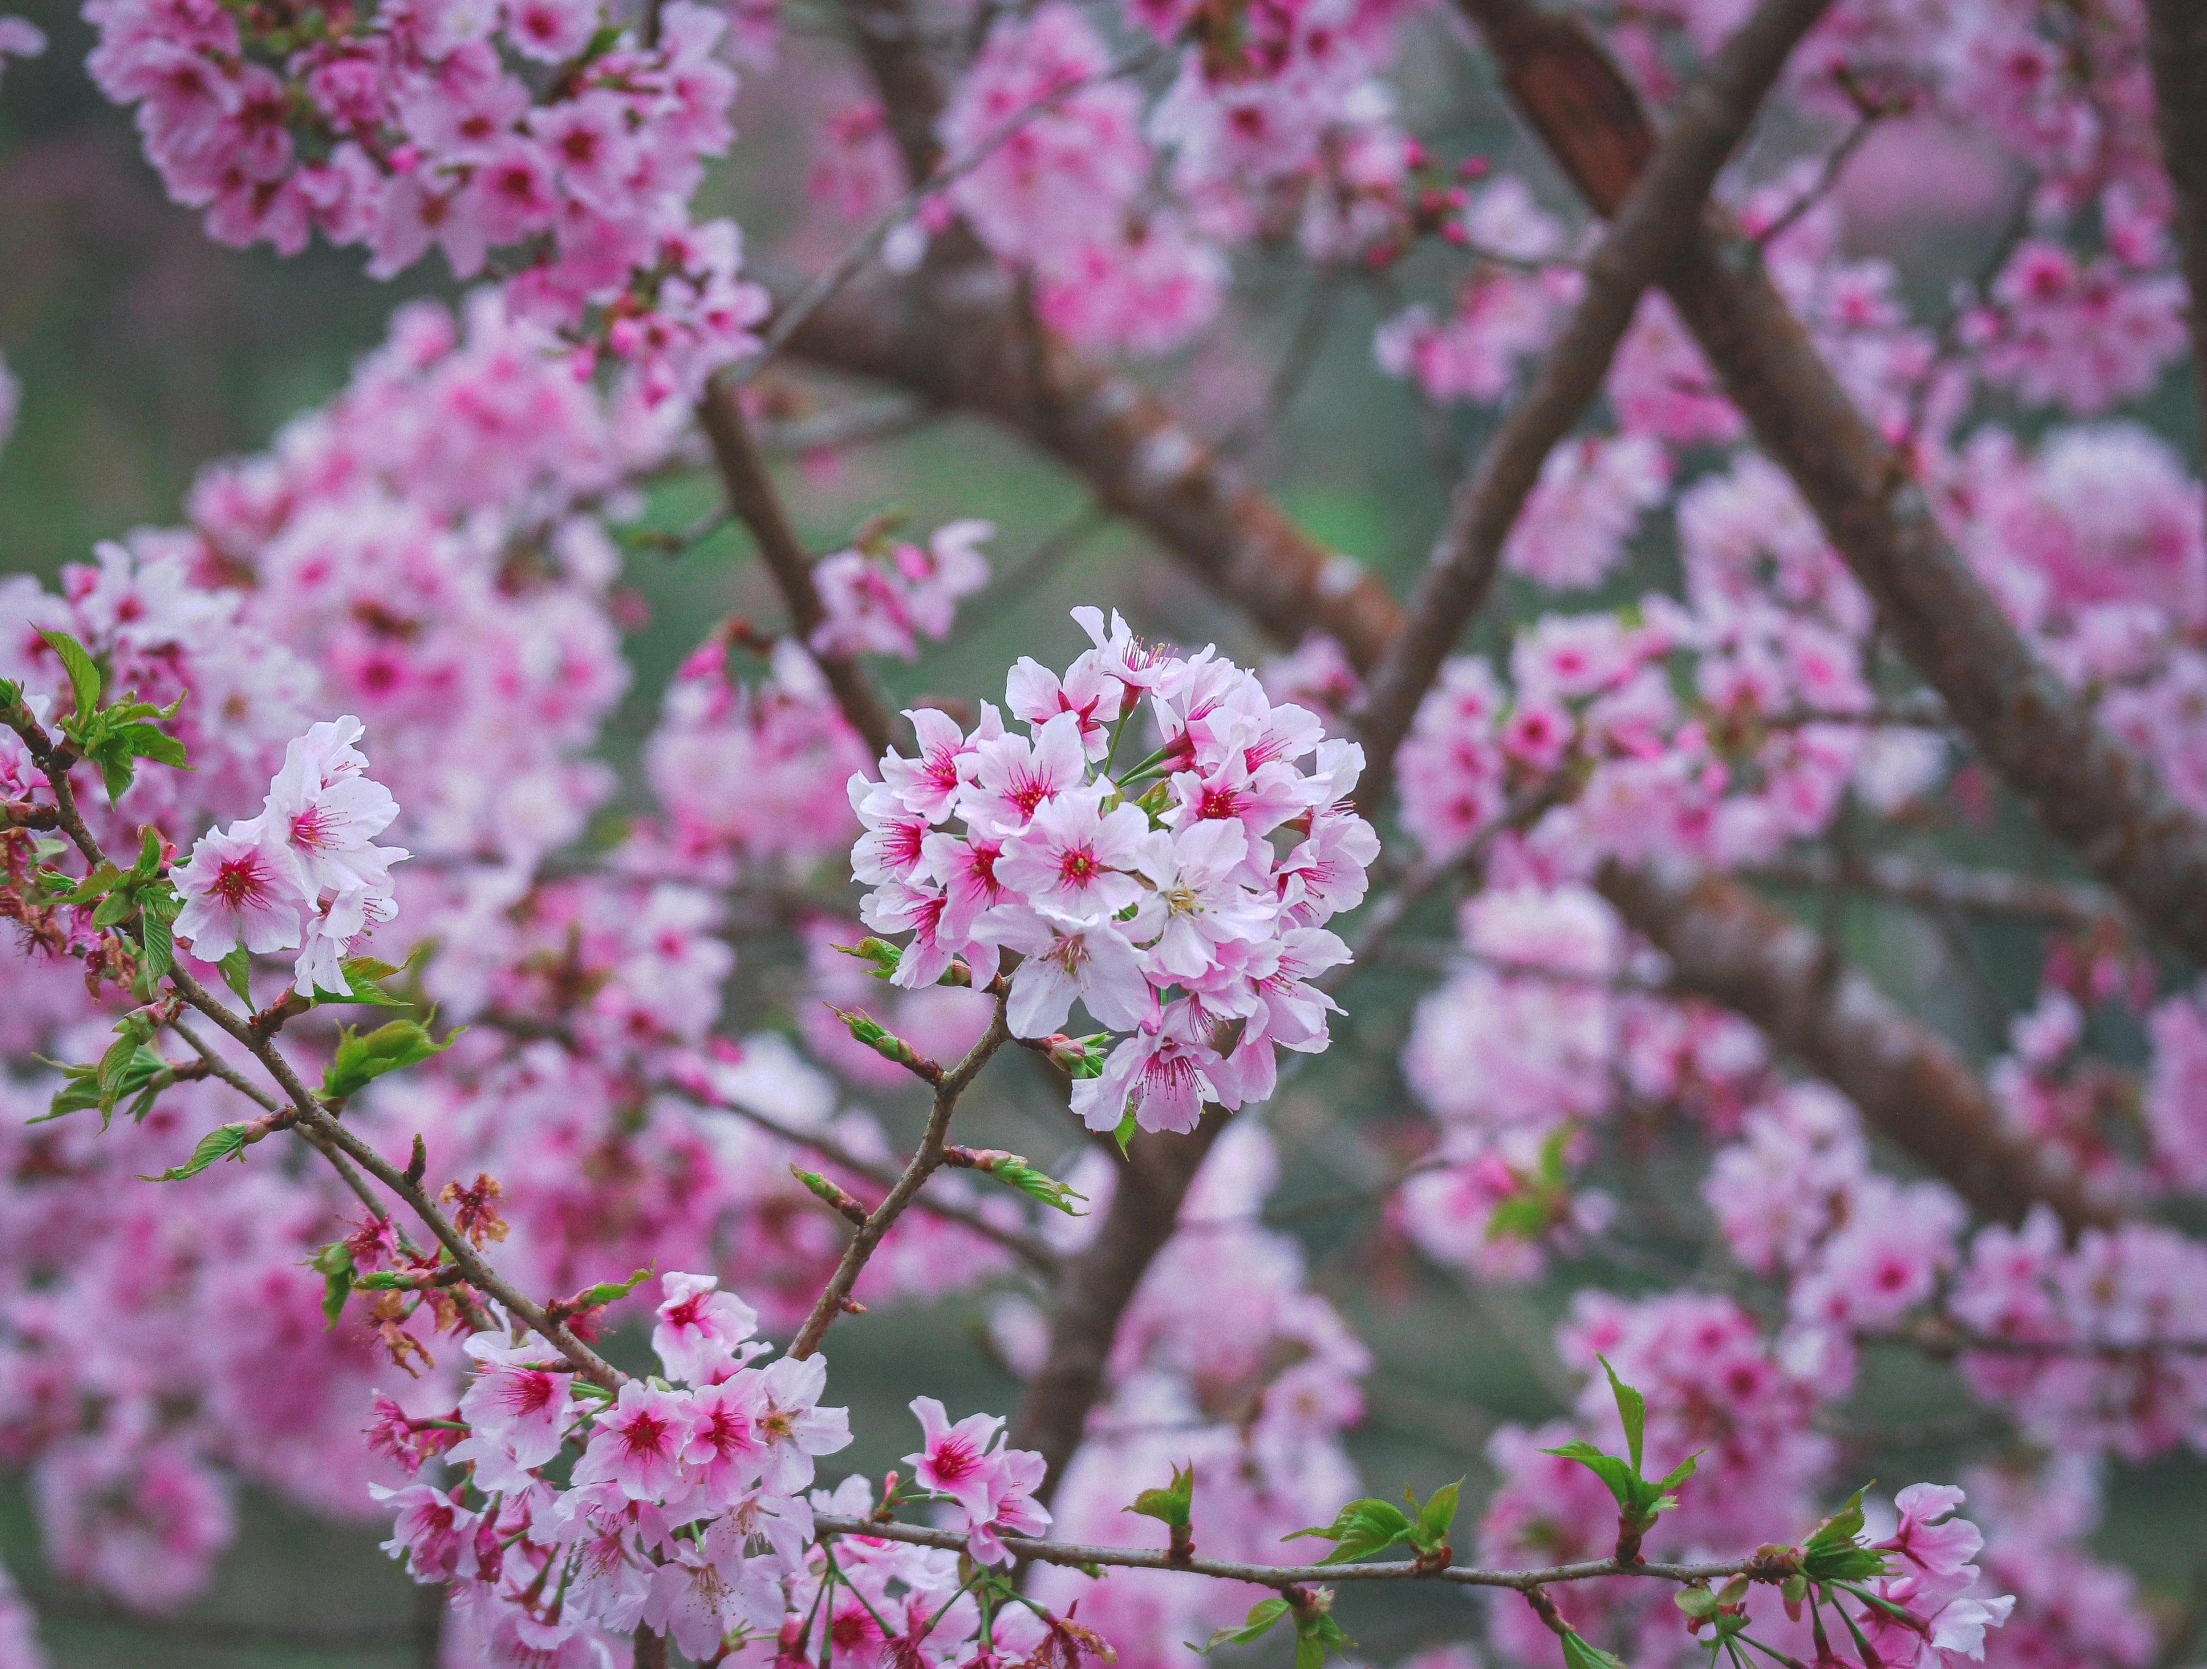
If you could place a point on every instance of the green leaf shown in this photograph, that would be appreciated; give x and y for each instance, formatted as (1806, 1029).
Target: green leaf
(157, 908)
(1840, 1529)
(1125, 1132)
(102, 876)
(1632, 1409)
(879, 952)
(1261, 1617)
(1611, 1469)
(1435, 1518)
(1577, 1654)
(1519, 1217)
(1834, 1552)
(1679, 1473)
(334, 1263)
(149, 857)
(389, 1048)
(1361, 1528)
(226, 1142)
(1316, 1632)
(86, 680)
(237, 974)
(1013, 1171)
(605, 1292)
(361, 974)
(385, 1280)
(1697, 1602)
(1170, 1505)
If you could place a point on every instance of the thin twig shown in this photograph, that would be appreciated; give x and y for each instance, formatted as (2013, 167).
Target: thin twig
(923, 1164)
(1279, 1576)
(847, 265)
(1029, 1248)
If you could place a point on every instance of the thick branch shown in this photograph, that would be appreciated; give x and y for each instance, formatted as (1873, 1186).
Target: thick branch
(956, 338)
(758, 506)
(1656, 222)
(1727, 945)
(1981, 892)
(1097, 1286)
(2176, 46)
(2092, 792)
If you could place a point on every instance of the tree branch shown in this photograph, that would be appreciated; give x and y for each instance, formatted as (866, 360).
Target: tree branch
(2176, 47)
(1654, 225)
(1280, 1576)
(1027, 1247)
(758, 506)
(1728, 946)
(1984, 892)
(925, 1161)
(1099, 1283)
(2091, 791)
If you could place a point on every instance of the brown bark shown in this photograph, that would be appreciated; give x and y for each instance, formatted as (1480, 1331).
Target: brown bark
(1097, 1286)
(2091, 792)
(957, 337)
(2176, 47)
(1728, 946)
(754, 502)
(1655, 223)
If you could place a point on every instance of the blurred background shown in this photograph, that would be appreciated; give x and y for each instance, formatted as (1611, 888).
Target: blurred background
(145, 351)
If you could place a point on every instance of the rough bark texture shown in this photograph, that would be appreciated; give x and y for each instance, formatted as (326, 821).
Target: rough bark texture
(1097, 1286)
(2176, 46)
(958, 338)
(2094, 794)
(754, 502)
(1727, 945)
(1654, 225)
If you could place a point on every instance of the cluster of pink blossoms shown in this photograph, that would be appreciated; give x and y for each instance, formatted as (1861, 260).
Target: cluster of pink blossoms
(1179, 899)
(883, 595)
(305, 874)
(685, 1507)
(537, 132)
(672, 1489)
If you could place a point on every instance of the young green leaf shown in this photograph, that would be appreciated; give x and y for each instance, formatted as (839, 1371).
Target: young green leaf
(1834, 1552)
(1173, 1504)
(237, 974)
(86, 680)
(883, 956)
(1430, 1533)
(1577, 1654)
(389, 1048)
(334, 1263)
(605, 1292)
(1360, 1529)
(1013, 1170)
(1611, 1469)
(224, 1142)
(1316, 1634)
(1125, 1132)
(157, 910)
(1255, 1626)
(1632, 1411)
(361, 974)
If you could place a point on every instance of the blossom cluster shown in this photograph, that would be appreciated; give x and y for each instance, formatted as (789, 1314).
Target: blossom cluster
(541, 134)
(305, 874)
(884, 594)
(685, 1507)
(1180, 900)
